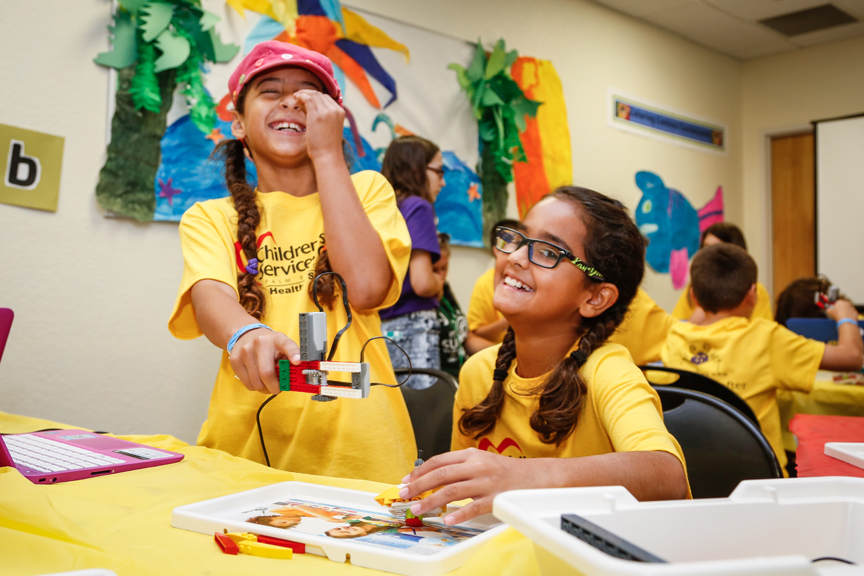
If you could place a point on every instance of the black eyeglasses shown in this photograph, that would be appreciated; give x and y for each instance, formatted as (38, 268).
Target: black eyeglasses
(438, 171)
(542, 253)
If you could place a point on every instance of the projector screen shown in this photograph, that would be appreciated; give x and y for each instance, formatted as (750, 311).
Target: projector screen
(840, 203)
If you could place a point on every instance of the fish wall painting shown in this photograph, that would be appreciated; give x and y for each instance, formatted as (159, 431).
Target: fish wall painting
(672, 225)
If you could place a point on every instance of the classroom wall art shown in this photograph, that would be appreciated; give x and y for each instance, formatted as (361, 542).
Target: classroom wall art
(637, 116)
(672, 225)
(30, 164)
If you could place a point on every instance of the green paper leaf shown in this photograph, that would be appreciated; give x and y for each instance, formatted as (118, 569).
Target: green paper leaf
(478, 64)
(491, 99)
(222, 52)
(208, 20)
(124, 46)
(461, 75)
(145, 85)
(511, 58)
(488, 131)
(175, 50)
(155, 19)
(496, 60)
(133, 6)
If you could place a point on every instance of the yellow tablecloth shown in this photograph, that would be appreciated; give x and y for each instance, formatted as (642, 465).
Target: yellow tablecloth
(123, 522)
(827, 398)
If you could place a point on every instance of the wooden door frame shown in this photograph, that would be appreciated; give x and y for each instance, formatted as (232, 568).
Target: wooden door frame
(767, 198)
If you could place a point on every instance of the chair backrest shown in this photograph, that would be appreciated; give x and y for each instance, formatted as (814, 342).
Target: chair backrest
(821, 329)
(6, 317)
(721, 446)
(431, 410)
(693, 381)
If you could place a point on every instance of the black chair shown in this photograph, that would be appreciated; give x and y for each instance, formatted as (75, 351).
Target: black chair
(721, 446)
(431, 410)
(699, 383)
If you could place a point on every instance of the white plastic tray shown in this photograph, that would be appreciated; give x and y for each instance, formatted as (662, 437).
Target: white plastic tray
(422, 552)
(766, 527)
(851, 452)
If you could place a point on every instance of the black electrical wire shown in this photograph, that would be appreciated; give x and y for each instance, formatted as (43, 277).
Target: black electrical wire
(834, 559)
(410, 368)
(344, 303)
(260, 432)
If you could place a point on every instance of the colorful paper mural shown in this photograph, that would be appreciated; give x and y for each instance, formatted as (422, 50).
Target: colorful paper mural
(546, 138)
(672, 225)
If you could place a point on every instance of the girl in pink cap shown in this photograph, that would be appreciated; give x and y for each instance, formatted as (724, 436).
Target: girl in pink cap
(250, 260)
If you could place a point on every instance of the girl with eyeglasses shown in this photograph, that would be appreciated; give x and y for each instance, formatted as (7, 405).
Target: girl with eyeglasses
(415, 168)
(557, 405)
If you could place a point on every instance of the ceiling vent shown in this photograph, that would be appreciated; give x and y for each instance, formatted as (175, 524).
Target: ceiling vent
(810, 20)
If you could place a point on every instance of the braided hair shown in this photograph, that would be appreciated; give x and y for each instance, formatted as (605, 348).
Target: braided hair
(251, 295)
(614, 246)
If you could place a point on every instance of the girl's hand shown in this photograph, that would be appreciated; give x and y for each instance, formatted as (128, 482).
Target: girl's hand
(324, 121)
(842, 309)
(254, 358)
(465, 474)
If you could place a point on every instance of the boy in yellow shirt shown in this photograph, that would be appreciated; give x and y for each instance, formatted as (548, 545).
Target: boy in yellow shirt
(753, 357)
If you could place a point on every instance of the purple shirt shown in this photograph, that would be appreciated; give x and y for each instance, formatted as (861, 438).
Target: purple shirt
(420, 217)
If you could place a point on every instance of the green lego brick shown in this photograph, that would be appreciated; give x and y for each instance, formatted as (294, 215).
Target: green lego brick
(285, 375)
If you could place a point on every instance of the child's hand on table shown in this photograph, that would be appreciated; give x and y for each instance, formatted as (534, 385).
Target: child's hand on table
(254, 358)
(470, 473)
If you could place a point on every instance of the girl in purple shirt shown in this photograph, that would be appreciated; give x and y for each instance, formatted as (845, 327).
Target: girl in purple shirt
(414, 166)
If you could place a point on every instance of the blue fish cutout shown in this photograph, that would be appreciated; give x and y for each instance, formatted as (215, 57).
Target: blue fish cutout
(671, 224)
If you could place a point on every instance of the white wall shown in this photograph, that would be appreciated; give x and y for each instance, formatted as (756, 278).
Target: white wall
(92, 295)
(784, 93)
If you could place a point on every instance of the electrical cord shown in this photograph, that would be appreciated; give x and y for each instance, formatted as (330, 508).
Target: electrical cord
(407, 357)
(344, 303)
(261, 432)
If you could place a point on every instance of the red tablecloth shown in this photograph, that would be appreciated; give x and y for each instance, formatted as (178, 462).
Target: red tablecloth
(813, 432)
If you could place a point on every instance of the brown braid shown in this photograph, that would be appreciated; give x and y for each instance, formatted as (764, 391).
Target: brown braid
(614, 246)
(248, 218)
(480, 419)
(327, 286)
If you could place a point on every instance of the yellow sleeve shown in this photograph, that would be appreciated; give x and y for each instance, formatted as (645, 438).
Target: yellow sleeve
(794, 359)
(208, 254)
(683, 309)
(644, 330)
(475, 381)
(630, 409)
(379, 202)
(763, 307)
(480, 308)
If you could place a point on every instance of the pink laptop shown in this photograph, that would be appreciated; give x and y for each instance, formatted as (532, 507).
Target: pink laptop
(64, 455)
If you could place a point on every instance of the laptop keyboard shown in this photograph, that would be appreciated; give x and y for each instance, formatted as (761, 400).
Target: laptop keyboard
(44, 455)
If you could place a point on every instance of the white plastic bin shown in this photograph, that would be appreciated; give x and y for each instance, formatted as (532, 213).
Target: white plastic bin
(766, 527)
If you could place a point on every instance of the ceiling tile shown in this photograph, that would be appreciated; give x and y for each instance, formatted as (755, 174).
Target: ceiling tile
(639, 8)
(829, 35)
(711, 27)
(755, 10)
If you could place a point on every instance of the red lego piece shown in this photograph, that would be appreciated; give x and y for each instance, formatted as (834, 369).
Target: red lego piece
(297, 547)
(305, 388)
(227, 545)
(414, 522)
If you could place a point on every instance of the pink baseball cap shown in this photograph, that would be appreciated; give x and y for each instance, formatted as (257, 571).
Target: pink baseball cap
(268, 55)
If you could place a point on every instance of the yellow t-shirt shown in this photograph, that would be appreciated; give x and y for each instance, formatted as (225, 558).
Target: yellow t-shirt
(481, 311)
(763, 309)
(620, 413)
(644, 330)
(371, 438)
(753, 358)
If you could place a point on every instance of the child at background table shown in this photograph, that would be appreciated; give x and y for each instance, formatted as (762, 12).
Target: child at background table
(250, 261)
(753, 357)
(415, 168)
(454, 326)
(486, 325)
(723, 233)
(556, 404)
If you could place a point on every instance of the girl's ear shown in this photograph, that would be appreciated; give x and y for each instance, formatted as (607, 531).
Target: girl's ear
(237, 127)
(604, 296)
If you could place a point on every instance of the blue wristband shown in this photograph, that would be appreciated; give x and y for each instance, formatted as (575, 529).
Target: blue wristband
(846, 321)
(241, 332)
